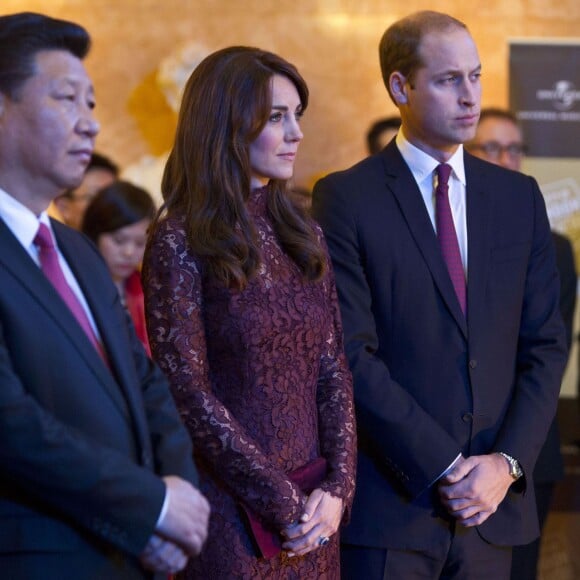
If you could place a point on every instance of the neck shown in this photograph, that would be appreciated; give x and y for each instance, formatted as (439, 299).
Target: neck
(30, 196)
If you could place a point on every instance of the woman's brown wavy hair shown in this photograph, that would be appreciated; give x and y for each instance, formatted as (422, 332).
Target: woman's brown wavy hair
(226, 103)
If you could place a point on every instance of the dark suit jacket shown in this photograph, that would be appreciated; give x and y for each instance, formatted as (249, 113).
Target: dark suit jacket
(81, 444)
(428, 384)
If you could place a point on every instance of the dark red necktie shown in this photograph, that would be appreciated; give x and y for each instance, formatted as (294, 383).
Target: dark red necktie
(447, 235)
(50, 266)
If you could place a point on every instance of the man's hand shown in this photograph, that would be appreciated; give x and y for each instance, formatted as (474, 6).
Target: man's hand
(186, 519)
(163, 556)
(321, 518)
(473, 489)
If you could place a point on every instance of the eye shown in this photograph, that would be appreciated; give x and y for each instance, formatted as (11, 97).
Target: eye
(299, 114)
(275, 117)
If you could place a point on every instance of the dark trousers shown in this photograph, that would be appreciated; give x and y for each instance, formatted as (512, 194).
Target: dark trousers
(469, 558)
(525, 558)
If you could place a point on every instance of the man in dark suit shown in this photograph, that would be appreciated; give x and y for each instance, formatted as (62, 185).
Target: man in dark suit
(452, 329)
(96, 474)
(499, 140)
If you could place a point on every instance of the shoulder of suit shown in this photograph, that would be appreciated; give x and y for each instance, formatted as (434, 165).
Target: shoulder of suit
(367, 168)
(73, 240)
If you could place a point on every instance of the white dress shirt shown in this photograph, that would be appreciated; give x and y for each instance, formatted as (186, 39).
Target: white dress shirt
(423, 167)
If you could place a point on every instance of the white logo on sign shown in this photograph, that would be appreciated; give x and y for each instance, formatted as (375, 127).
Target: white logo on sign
(563, 95)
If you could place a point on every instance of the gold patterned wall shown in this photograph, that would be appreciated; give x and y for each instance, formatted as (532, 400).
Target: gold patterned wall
(333, 42)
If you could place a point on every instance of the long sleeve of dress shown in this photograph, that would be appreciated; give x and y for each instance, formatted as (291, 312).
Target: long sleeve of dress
(337, 425)
(175, 318)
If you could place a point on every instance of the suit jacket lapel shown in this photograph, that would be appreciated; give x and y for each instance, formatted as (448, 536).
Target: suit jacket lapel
(113, 337)
(18, 262)
(401, 182)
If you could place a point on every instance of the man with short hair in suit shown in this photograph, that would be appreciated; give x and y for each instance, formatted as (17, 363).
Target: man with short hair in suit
(499, 140)
(96, 471)
(449, 295)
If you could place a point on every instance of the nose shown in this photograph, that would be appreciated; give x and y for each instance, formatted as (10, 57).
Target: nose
(293, 130)
(87, 124)
(507, 160)
(129, 250)
(470, 92)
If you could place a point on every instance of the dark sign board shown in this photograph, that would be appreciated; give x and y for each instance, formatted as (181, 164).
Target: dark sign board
(545, 96)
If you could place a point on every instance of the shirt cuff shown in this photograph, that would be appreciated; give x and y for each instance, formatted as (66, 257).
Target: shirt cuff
(164, 509)
(446, 471)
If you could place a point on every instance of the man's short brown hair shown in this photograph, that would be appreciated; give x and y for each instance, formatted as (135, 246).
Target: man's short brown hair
(399, 46)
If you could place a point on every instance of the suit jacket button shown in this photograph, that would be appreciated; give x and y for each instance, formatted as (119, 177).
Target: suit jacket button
(472, 363)
(467, 417)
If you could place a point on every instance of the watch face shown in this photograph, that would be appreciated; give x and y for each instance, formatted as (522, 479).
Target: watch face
(515, 470)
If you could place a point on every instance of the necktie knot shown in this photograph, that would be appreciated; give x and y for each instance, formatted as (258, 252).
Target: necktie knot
(443, 173)
(43, 239)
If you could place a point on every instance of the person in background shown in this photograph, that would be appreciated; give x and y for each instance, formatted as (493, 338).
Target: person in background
(499, 140)
(117, 221)
(242, 316)
(95, 464)
(448, 289)
(72, 204)
(381, 132)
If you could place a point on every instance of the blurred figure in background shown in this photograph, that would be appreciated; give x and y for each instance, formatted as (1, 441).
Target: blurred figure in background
(117, 220)
(71, 205)
(499, 140)
(381, 132)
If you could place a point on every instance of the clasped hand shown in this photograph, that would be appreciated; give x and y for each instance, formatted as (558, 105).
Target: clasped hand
(182, 531)
(473, 489)
(321, 519)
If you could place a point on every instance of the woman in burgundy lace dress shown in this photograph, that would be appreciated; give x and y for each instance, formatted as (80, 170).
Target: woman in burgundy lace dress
(243, 317)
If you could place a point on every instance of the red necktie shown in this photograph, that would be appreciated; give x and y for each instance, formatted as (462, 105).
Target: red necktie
(50, 266)
(447, 235)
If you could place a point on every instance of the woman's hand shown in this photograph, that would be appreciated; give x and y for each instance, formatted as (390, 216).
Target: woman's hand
(320, 520)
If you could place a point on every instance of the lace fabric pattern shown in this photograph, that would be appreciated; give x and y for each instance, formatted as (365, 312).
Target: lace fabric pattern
(262, 384)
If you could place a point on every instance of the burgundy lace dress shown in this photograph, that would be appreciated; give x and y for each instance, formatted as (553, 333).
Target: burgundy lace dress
(262, 384)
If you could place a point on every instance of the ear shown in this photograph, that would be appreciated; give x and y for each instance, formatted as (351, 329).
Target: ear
(399, 87)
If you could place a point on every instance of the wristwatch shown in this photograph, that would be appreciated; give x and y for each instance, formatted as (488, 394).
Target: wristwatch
(514, 465)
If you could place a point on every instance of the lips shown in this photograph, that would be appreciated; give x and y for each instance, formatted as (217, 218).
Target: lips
(84, 154)
(468, 118)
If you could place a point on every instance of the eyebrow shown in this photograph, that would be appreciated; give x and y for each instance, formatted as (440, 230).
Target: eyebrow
(284, 107)
(455, 71)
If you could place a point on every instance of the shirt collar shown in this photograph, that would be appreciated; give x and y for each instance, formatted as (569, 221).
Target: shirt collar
(21, 221)
(423, 165)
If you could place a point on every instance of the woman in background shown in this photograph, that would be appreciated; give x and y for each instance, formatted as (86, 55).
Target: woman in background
(242, 312)
(117, 220)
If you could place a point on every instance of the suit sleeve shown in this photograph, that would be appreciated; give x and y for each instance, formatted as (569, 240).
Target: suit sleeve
(391, 424)
(541, 351)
